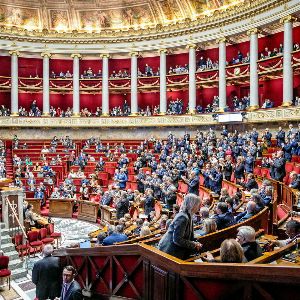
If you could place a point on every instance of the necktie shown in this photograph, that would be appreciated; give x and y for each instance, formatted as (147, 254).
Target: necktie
(64, 291)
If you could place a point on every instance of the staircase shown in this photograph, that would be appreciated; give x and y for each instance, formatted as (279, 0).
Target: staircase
(9, 163)
(15, 264)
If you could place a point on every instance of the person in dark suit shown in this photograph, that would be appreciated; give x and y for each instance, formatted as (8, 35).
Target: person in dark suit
(295, 181)
(239, 170)
(122, 206)
(246, 238)
(179, 239)
(46, 275)
(149, 201)
(115, 235)
(193, 183)
(71, 289)
(223, 217)
(279, 166)
(251, 183)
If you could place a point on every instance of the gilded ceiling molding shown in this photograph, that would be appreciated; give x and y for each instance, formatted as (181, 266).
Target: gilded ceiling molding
(14, 52)
(218, 19)
(46, 54)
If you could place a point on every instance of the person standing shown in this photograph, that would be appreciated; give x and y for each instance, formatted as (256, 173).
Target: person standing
(46, 275)
(71, 289)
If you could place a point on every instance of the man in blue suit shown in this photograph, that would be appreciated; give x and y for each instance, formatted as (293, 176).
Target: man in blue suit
(71, 289)
(193, 183)
(115, 235)
(122, 179)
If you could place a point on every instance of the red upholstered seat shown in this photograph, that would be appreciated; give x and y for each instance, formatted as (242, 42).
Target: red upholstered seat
(54, 235)
(36, 244)
(4, 271)
(44, 238)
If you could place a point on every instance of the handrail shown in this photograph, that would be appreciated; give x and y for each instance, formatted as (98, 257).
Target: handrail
(16, 216)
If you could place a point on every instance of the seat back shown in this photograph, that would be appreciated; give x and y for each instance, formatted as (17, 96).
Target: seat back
(4, 260)
(18, 239)
(32, 236)
(43, 233)
(50, 228)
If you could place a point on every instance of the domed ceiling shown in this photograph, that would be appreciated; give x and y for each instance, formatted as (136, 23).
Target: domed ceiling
(98, 15)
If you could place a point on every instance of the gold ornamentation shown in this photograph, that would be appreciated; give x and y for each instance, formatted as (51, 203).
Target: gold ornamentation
(104, 55)
(221, 40)
(76, 55)
(287, 19)
(133, 53)
(14, 52)
(252, 31)
(46, 54)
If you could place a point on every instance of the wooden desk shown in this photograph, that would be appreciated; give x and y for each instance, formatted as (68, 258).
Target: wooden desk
(36, 203)
(62, 208)
(88, 211)
(107, 213)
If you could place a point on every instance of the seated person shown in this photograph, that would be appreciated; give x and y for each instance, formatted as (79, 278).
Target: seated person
(248, 213)
(145, 230)
(230, 252)
(115, 235)
(223, 217)
(208, 226)
(55, 194)
(292, 231)
(295, 181)
(30, 216)
(246, 238)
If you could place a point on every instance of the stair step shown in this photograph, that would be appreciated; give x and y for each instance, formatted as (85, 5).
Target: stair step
(12, 255)
(5, 238)
(15, 264)
(7, 248)
(18, 273)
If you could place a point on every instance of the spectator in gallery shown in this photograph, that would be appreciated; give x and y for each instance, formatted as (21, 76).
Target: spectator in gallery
(268, 104)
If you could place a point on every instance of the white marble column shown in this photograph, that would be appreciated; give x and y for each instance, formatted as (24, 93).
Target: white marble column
(222, 74)
(192, 78)
(46, 90)
(76, 93)
(134, 84)
(105, 87)
(254, 97)
(287, 61)
(14, 98)
(163, 82)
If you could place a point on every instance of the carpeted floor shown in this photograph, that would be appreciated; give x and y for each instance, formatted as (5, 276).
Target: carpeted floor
(7, 294)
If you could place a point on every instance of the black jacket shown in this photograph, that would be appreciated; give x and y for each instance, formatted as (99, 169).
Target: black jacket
(177, 241)
(193, 186)
(46, 275)
(224, 220)
(279, 168)
(252, 250)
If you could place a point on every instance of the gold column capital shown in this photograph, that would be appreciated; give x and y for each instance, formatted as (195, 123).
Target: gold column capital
(44, 54)
(221, 40)
(14, 52)
(191, 46)
(73, 55)
(104, 55)
(252, 31)
(287, 19)
(162, 50)
(133, 53)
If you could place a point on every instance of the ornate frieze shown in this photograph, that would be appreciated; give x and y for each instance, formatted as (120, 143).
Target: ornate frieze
(259, 116)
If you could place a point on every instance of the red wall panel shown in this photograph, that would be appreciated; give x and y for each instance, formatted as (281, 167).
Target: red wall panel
(5, 99)
(296, 34)
(25, 100)
(232, 50)
(151, 61)
(145, 99)
(272, 90)
(61, 65)
(94, 64)
(206, 95)
(119, 64)
(62, 101)
(271, 41)
(118, 100)
(296, 86)
(213, 54)
(90, 101)
(5, 66)
(30, 66)
(177, 59)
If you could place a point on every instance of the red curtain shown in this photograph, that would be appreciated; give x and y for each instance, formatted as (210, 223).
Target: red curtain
(5, 66)
(177, 59)
(94, 64)
(148, 99)
(61, 65)
(90, 101)
(61, 100)
(119, 64)
(5, 99)
(30, 67)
